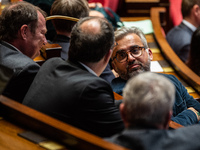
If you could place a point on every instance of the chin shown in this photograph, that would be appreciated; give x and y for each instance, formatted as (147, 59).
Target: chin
(135, 72)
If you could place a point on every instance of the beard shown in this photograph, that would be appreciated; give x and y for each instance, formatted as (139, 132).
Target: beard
(135, 71)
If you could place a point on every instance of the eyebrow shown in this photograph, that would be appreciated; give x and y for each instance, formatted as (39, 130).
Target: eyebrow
(129, 47)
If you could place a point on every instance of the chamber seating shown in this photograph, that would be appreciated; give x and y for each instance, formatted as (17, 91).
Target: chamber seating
(141, 8)
(180, 68)
(48, 51)
(19, 123)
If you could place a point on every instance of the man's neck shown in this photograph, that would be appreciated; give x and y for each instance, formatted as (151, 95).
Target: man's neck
(192, 21)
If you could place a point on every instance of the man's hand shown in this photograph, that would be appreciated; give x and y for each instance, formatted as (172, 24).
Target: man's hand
(196, 112)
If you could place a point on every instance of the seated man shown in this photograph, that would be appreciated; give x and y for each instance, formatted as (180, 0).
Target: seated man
(22, 34)
(132, 56)
(71, 90)
(71, 8)
(179, 37)
(146, 111)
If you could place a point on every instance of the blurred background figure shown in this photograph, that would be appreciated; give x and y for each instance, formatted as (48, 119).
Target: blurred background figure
(194, 55)
(179, 37)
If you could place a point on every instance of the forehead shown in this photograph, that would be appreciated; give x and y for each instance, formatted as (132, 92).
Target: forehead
(130, 39)
(41, 20)
(127, 41)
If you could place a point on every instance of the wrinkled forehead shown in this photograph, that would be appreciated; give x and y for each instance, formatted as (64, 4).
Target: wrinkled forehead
(126, 42)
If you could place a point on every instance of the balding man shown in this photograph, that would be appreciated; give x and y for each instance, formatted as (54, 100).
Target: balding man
(71, 90)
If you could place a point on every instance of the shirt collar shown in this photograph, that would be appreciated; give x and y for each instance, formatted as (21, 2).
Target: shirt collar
(88, 68)
(189, 25)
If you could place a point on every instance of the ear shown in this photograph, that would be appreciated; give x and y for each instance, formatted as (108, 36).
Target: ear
(150, 54)
(167, 119)
(123, 114)
(24, 31)
(107, 56)
(195, 9)
(113, 66)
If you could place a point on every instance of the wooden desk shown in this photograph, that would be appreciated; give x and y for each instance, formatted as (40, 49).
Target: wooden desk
(48, 51)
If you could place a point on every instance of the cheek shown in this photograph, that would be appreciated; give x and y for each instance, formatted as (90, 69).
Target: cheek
(121, 67)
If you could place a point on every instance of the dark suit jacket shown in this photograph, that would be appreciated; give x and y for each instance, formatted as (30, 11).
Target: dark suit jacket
(67, 91)
(186, 138)
(179, 38)
(25, 71)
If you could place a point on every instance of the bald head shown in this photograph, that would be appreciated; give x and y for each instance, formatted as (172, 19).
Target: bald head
(91, 39)
(91, 26)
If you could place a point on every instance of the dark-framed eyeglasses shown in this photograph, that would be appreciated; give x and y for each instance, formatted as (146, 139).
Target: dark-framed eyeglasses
(122, 55)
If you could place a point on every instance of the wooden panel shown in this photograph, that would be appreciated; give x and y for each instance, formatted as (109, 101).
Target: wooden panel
(48, 51)
(141, 8)
(67, 135)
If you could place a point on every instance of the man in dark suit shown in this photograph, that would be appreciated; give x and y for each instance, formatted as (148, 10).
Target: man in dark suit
(179, 37)
(22, 34)
(71, 90)
(146, 110)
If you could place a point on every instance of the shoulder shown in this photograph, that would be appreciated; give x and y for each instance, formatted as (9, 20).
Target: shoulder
(118, 84)
(16, 60)
(172, 78)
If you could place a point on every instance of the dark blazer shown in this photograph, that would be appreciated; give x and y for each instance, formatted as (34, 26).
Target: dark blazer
(25, 71)
(183, 101)
(153, 139)
(67, 91)
(179, 38)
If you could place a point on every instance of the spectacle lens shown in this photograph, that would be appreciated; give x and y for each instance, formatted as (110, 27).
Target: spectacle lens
(122, 55)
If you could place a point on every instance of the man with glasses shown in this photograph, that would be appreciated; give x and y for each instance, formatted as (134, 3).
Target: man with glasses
(132, 56)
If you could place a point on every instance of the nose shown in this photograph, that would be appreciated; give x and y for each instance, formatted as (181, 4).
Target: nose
(44, 41)
(130, 57)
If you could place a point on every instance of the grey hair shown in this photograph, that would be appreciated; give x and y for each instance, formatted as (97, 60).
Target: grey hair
(122, 32)
(148, 98)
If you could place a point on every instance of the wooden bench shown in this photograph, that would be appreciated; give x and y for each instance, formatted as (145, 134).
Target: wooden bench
(181, 68)
(141, 8)
(18, 119)
(48, 51)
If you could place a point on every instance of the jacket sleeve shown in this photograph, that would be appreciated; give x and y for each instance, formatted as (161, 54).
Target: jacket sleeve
(100, 109)
(183, 101)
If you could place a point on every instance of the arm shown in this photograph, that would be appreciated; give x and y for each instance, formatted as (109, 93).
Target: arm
(21, 81)
(99, 106)
(182, 114)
